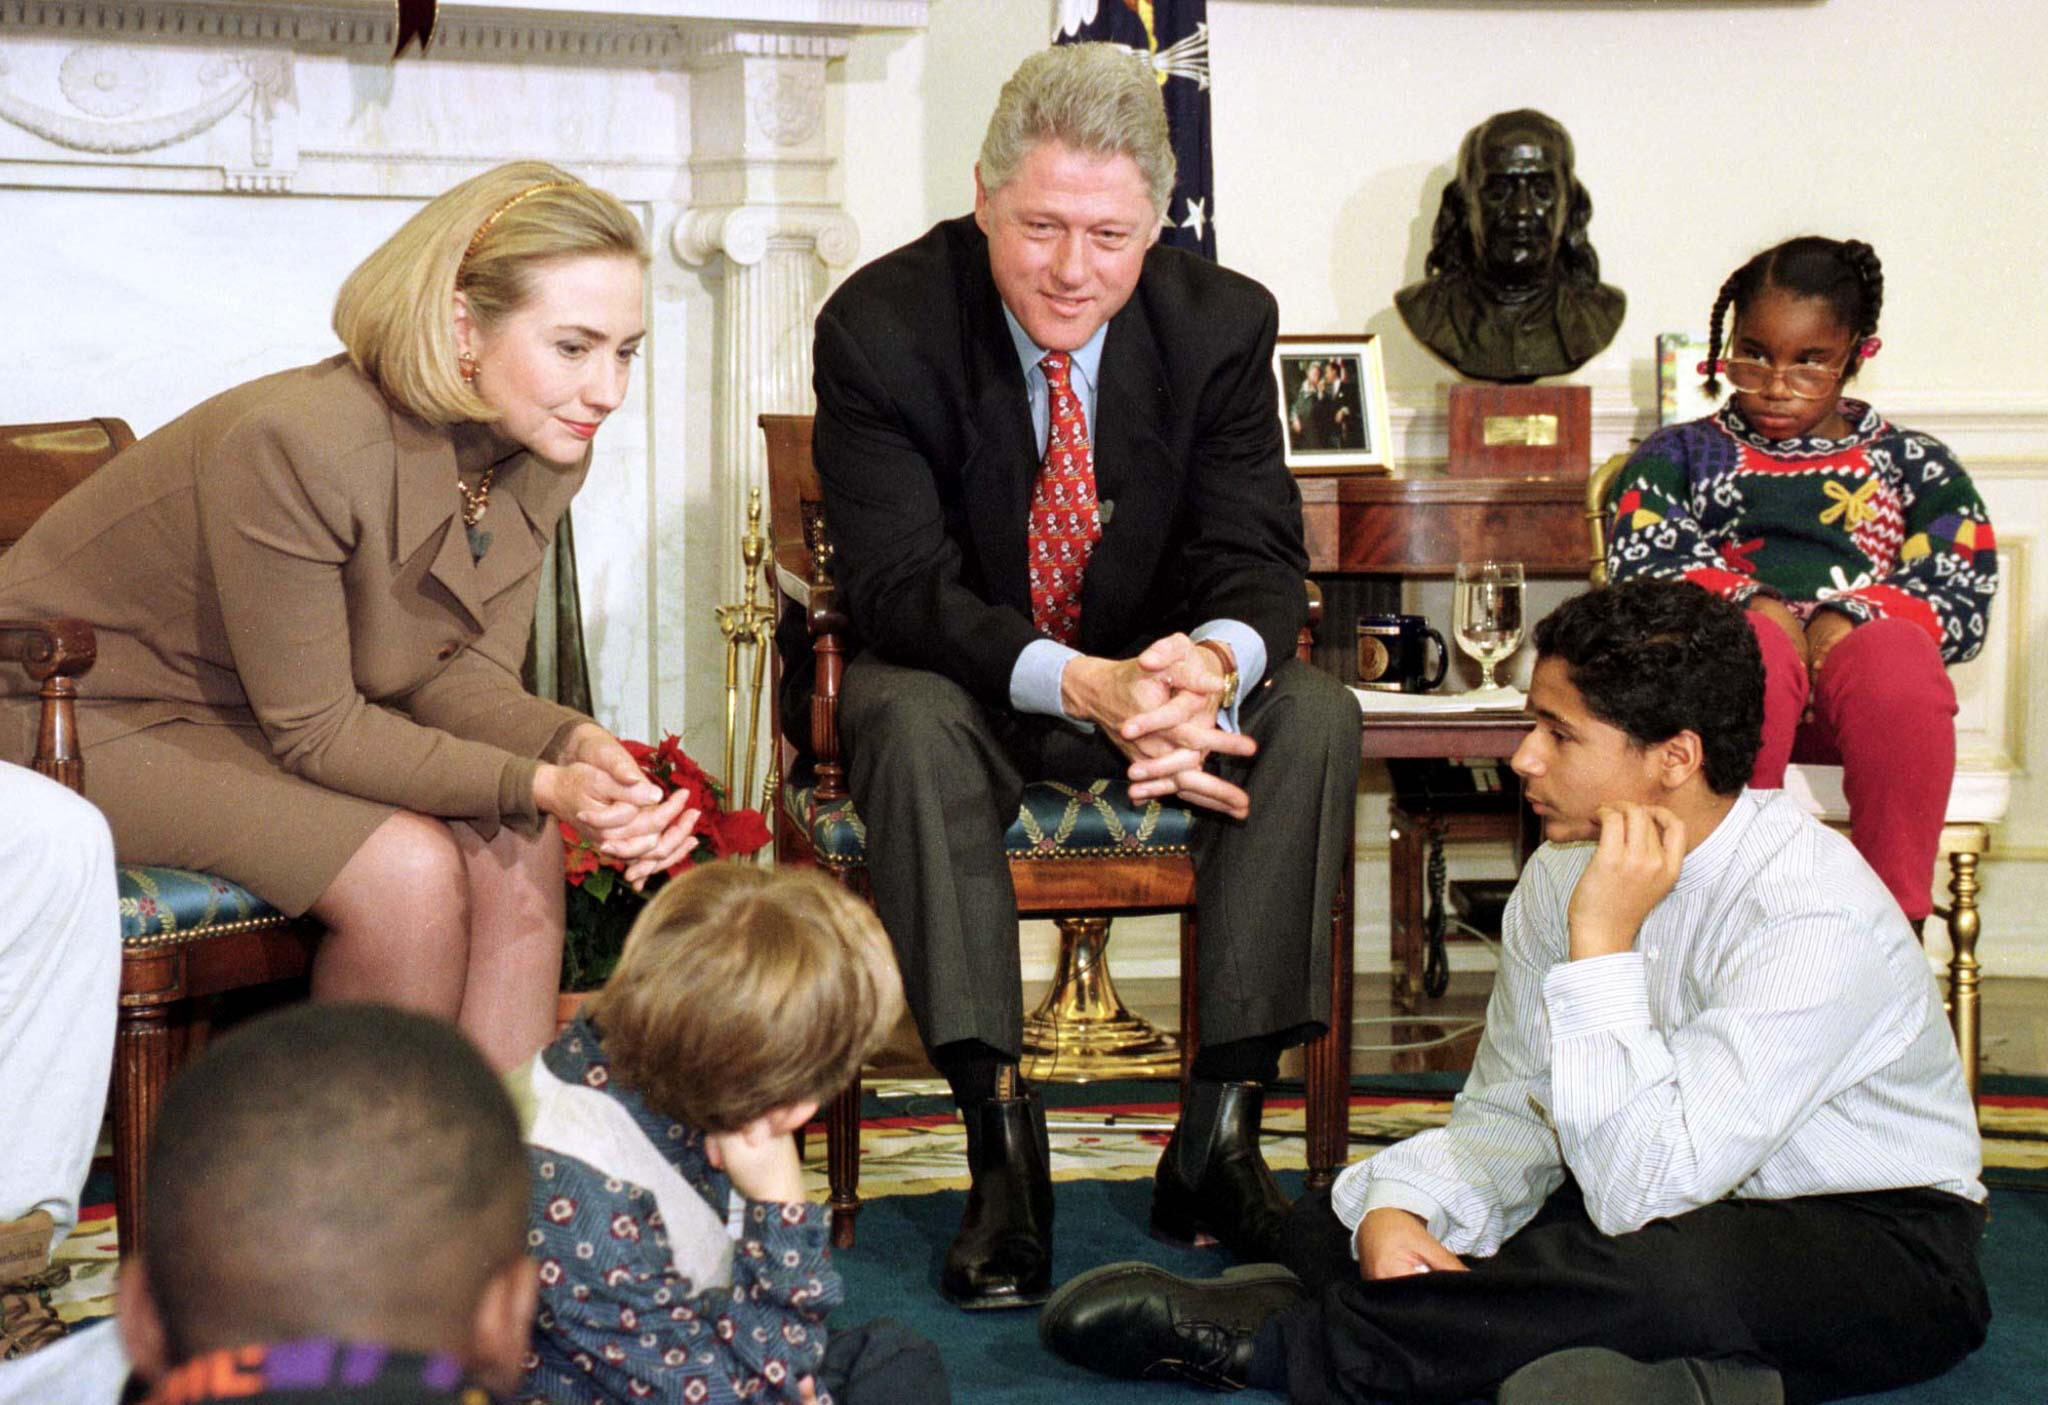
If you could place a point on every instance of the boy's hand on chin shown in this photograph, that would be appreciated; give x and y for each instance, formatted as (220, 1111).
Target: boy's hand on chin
(760, 1158)
(1640, 851)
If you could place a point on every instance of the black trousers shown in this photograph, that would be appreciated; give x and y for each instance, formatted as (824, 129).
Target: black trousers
(937, 778)
(882, 1362)
(1843, 1294)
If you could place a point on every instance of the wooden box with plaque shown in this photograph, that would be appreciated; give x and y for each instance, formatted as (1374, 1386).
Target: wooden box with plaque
(1521, 431)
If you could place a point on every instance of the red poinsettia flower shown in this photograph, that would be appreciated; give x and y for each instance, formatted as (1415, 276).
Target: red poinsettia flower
(705, 794)
(579, 859)
(739, 832)
(720, 833)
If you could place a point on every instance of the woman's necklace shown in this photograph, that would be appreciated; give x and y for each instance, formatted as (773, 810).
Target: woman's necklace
(475, 501)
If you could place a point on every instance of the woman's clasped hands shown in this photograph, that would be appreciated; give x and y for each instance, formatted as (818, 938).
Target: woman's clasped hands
(595, 785)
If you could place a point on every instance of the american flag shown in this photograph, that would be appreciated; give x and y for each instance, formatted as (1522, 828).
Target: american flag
(1173, 35)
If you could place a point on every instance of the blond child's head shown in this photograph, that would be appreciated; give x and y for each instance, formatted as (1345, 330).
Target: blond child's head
(743, 990)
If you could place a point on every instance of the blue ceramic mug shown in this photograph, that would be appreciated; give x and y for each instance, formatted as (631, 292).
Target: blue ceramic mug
(1393, 651)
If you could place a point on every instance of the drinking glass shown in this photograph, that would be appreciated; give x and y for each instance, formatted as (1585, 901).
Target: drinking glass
(1486, 613)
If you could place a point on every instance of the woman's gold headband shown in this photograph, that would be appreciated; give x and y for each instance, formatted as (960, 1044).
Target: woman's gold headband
(493, 217)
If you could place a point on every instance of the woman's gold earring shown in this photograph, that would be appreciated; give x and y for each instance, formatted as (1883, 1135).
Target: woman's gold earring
(465, 366)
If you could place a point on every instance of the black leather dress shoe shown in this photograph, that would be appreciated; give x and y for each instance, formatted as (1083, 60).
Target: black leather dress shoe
(1140, 1322)
(1002, 1256)
(1213, 1179)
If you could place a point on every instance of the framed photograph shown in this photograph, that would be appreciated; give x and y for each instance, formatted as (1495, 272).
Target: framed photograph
(1333, 404)
(1681, 394)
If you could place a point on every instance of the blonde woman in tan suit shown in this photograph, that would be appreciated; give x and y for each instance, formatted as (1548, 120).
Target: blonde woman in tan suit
(313, 595)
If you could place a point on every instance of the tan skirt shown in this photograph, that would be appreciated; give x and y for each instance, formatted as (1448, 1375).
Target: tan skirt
(206, 797)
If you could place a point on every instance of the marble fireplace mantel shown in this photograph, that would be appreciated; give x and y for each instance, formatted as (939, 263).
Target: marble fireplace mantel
(191, 178)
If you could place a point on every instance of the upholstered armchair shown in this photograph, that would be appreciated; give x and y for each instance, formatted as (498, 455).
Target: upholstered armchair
(1077, 853)
(186, 937)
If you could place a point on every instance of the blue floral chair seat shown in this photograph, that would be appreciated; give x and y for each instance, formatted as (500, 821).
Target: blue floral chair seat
(165, 906)
(1094, 820)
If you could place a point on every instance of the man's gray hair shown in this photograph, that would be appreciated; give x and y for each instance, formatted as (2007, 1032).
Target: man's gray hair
(1101, 99)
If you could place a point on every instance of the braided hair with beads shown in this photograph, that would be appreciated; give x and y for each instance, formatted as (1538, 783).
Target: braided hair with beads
(1845, 273)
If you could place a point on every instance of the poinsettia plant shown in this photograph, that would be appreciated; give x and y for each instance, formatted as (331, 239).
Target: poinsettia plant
(602, 905)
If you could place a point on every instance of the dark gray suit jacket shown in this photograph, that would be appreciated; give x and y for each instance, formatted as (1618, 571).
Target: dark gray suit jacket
(927, 455)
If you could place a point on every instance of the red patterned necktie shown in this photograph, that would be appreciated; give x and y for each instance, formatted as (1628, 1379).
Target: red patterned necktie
(1065, 520)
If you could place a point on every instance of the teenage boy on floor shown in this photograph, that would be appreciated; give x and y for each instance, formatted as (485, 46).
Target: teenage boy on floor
(679, 1257)
(1716, 1130)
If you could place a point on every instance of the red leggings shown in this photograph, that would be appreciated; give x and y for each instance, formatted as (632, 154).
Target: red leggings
(1885, 713)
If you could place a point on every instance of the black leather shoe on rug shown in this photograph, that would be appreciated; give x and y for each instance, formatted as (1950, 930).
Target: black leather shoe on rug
(1212, 1180)
(1140, 1322)
(1002, 1256)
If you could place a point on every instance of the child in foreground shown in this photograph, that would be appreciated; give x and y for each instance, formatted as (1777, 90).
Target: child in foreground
(679, 1258)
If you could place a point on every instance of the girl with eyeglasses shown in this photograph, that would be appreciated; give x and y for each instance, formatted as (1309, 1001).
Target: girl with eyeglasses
(1861, 549)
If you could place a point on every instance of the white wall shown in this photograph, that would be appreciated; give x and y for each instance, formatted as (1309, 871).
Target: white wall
(1705, 131)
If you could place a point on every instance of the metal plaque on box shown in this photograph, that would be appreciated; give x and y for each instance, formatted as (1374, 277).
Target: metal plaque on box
(1520, 431)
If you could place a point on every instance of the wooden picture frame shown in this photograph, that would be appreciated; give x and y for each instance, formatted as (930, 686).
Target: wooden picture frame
(1681, 394)
(1340, 428)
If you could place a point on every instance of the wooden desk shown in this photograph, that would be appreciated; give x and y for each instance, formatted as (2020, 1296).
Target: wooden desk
(1426, 524)
(1477, 735)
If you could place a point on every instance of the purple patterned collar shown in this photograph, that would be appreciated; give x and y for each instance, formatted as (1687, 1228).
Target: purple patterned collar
(317, 1369)
(1865, 424)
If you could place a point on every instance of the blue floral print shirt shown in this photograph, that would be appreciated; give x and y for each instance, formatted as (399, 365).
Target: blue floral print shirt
(658, 1280)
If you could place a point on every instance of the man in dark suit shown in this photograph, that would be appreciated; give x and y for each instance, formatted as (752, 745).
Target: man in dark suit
(1067, 541)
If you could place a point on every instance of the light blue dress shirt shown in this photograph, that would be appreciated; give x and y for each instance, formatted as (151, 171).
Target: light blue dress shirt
(1035, 679)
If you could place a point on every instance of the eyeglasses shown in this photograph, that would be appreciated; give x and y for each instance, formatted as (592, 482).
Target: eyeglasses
(1801, 382)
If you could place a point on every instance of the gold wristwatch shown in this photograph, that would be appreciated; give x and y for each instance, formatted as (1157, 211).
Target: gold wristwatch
(1230, 680)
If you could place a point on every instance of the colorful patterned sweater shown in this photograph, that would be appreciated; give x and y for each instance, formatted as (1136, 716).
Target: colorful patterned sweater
(1881, 524)
(658, 1280)
(316, 1371)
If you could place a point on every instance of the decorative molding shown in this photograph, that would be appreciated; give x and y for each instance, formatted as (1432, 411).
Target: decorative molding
(745, 233)
(117, 93)
(788, 105)
(704, 46)
(104, 81)
(97, 134)
(2016, 467)
(635, 32)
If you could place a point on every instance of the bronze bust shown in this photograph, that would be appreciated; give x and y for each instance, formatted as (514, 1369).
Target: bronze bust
(1512, 288)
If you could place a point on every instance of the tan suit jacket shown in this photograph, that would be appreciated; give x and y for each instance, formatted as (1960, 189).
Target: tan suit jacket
(290, 556)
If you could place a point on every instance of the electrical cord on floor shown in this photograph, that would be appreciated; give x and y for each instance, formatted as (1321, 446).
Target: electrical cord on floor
(1486, 940)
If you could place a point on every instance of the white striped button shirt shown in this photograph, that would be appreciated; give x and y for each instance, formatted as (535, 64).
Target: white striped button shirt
(1775, 1032)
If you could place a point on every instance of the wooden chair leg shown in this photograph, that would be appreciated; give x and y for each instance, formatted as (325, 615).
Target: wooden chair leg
(1963, 924)
(842, 1161)
(1328, 1072)
(1190, 1006)
(142, 1069)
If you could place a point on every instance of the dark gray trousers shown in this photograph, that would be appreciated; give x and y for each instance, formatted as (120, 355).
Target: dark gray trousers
(937, 778)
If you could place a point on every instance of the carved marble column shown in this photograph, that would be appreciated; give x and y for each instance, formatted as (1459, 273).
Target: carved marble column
(763, 222)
